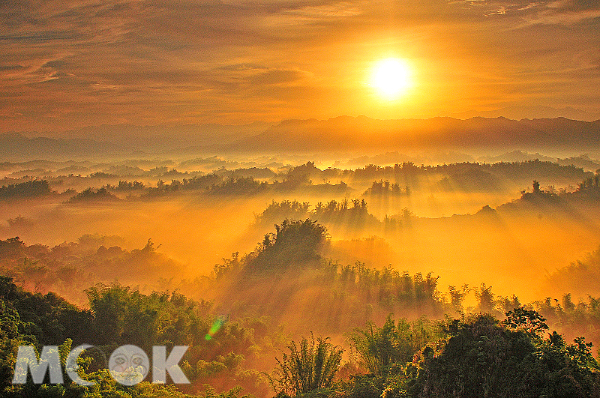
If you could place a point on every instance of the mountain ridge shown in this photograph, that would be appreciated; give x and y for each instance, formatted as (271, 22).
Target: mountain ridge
(349, 133)
(342, 133)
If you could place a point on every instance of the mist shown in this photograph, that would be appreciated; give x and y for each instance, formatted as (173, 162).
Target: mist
(464, 222)
(410, 239)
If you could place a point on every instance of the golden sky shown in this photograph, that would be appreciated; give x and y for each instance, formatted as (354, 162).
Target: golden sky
(73, 63)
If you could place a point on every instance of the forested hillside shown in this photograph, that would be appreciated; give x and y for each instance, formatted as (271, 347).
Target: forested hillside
(283, 320)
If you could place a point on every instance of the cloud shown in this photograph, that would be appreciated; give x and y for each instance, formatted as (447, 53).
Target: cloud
(549, 12)
(564, 17)
(279, 76)
(150, 62)
(575, 5)
(9, 114)
(9, 68)
(314, 14)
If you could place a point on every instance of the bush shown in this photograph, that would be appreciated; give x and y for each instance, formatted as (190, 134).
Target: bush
(309, 367)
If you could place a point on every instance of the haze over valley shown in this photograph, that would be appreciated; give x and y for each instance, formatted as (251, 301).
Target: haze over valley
(299, 199)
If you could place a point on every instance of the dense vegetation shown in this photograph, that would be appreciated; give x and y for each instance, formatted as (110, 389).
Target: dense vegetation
(236, 338)
(394, 181)
(119, 315)
(471, 356)
(286, 320)
(27, 189)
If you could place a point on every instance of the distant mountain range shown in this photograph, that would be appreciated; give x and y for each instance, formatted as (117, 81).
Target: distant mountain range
(125, 139)
(522, 112)
(157, 138)
(15, 146)
(354, 133)
(343, 133)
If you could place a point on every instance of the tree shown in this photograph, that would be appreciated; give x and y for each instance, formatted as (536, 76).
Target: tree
(457, 296)
(486, 358)
(523, 319)
(484, 295)
(309, 366)
(295, 243)
(380, 349)
(26, 189)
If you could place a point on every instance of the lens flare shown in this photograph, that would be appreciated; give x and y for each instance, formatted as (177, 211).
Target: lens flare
(216, 326)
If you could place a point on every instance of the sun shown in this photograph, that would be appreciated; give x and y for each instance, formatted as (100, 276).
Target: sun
(391, 78)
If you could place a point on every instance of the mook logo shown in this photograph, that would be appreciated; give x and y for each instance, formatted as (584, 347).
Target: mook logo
(128, 365)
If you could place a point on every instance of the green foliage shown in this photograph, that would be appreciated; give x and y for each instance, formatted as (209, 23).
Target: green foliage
(480, 358)
(229, 265)
(382, 349)
(309, 366)
(121, 315)
(485, 298)
(390, 288)
(125, 316)
(92, 194)
(473, 356)
(100, 174)
(105, 386)
(467, 176)
(363, 386)
(295, 243)
(12, 248)
(476, 356)
(385, 189)
(523, 319)
(484, 359)
(573, 318)
(457, 296)
(129, 186)
(72, 267)
(13, 333)
(590, 186)
(238, 186)
(196, 183)
(352, 214)
(338, 297)
(48, 317)
(26, 189)
(284, 210)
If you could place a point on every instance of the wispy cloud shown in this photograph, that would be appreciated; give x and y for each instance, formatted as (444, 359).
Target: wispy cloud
(142, 62)
(560, 12)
